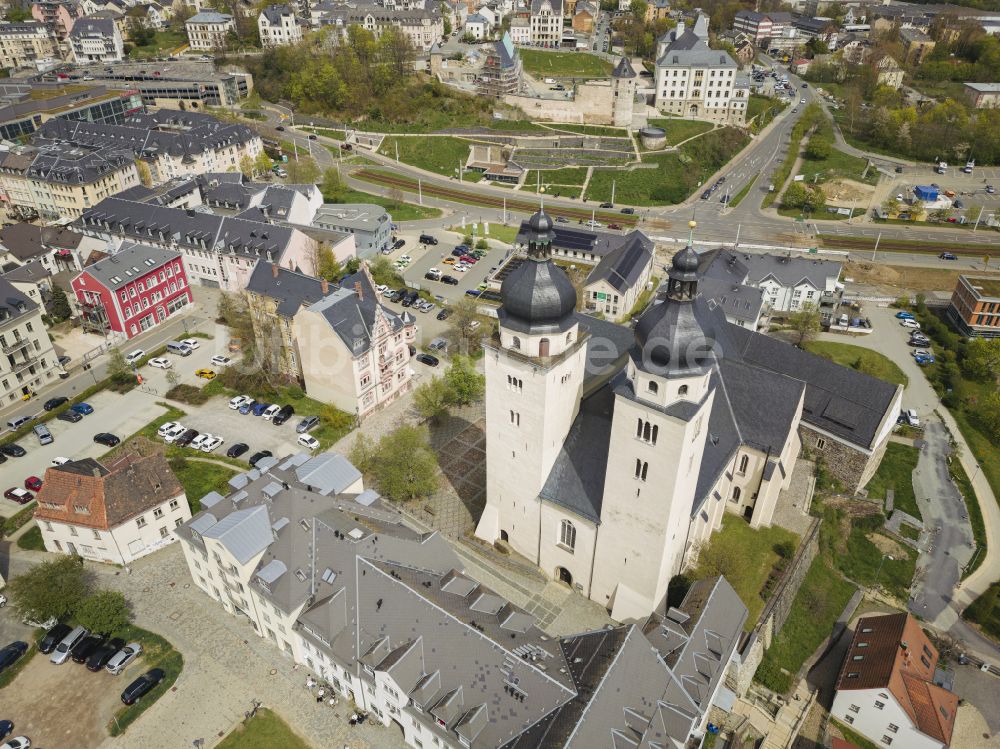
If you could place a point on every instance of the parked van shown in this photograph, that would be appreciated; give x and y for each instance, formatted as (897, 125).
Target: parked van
(62, 652)
(428, 239)
(44, 435)
(20, 421)
(181, 349)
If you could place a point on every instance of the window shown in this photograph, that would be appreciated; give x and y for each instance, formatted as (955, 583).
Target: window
(744, 461)
(736, 493)
(879, 705)
(140, 522)
(158, 513)
(855, 708)
(567, 534)
(647, 432)
(641, 467)
(887, 740)
(515, 342)
(652, 387)
(174, 504)
(515, 418)
(893, 728)
(820, 443)
(164, 532)
(72, 530)
(97, 534)
(849, 719)
(927, 663)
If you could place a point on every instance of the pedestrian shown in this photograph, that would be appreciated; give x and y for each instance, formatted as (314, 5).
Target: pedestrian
(333, 702)
(321, 694)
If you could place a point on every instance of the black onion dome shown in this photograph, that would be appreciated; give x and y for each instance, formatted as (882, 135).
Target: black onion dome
(674, 337)
(540, 226)
(686, 261)
(537, 297)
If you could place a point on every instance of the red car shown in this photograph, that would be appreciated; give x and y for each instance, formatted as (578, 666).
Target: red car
(615, 226)
(18, 495)
(33, 483)
(469, 259)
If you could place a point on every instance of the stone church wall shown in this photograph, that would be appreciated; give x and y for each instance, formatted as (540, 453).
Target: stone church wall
(849, 466)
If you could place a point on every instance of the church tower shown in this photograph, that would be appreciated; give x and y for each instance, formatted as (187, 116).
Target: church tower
(658, 433)
(534, 382)
(623, 82)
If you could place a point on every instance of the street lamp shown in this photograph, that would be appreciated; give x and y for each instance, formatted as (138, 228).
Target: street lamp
(880, 561)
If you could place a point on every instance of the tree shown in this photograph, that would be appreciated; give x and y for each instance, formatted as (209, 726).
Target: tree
(805, 322)
(246, 166)
(819, 148)
(173, 379)
(460, 331)
(638, 9)
(432, 399)
(302, 171)
(325, 264)
(890, 206)
(446, 16)
(403, 464)
(989, 415)
(982, 358)
(52, 589)
(145, 175)
(482, 244)
(465, 384)
(262, 164)
(104, 611)
(333, 187)
(796, 196)
(59, 306)
(118, 369)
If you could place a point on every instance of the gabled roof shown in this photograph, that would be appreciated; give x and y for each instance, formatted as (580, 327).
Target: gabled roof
(130, 263)
(623, 69)
(13, 303)
(624, 266)
(26, 241)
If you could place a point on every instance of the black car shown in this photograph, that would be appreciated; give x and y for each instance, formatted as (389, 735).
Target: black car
(283, 415)
(100, 657)
(142, 685)
(312, 137)
(69, 415)
(53, 403)
(444, 314)
(706, 195)
(430, 361)
(628, 211)
(106, 438)
(450, 280)
(13, 450)
(410, 298)
(257, 457)
(10, 654)
(280, 128)
(86, 647)
(397, 295)
(237, 450)
(53, 637)
(607, 205)
(399, 243)
(185, 439)
(948, 256)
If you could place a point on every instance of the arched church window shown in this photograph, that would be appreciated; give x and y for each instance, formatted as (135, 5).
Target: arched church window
(569, 337)
(652, 387)
(744, 461)
(736, 493)
(567, 534)
(543, 347)
(682, 390)
(515, 343)
(646, 431)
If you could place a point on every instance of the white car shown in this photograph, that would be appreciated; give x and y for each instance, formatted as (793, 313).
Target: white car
(308, 441)
(908, 323)
(199, 442)
(211, 443)
(920, 352)
(221, 361)
(594, 224)
(18, 742)
(191, 343)
(911, 417)
(405, 259)
(387, 292)
(165, 429)
(380, 288)
(161, 363)
(134, 356)
(123, 657)
(61, 461)
(270, 411)
(436, 271)
(171, 436)
(238, 401)
(802, 101)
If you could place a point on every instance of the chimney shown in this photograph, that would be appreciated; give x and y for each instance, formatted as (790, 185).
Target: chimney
(274, 270)
(358, 291)
(324, 286)
(96, 472)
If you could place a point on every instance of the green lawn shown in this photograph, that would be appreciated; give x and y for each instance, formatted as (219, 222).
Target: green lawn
(31, 540)
(199, 478)
(400, 211)
(678, 129)
(540, 63)
(614, 132)
(440, 154)
(264, 731)
(896, 473)
(747, 557)
(854, 737)
(822, 597)
(156, 653)
(838, 164)
(860, 358)
(908, 531)
(676, 175)
(985, 611)
(165, 42)
(498, 232)
(570, 175)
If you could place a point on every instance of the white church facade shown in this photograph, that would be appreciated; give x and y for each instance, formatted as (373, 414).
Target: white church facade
(612, 453)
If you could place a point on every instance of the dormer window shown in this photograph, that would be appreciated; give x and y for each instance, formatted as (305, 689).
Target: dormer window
(682, 390)
(652, 387)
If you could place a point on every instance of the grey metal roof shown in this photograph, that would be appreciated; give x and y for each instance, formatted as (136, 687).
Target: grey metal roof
(351, 311)
(13, 303)
(203, 522)
(245, 533)
(272, 571)
(130, 263)
(290, 289)
(210, 16)
(211, 499)
(328, 473)
(790, 270)
(688, 47)
(91, 27)
(274, 13)
(623, 69)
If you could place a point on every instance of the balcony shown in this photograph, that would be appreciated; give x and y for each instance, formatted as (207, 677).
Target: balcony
(10, 348)
(19, 366)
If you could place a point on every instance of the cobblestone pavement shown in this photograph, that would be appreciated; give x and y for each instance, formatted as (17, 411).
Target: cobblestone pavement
(226, 665)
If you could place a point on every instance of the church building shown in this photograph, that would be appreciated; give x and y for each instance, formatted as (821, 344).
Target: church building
(613, 453)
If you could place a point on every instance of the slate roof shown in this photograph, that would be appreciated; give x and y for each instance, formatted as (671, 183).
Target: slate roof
(598, 243)
(131, 262)
(624, 266)
(788, 270)
(106, 496)
(91, 26)
(26, 241)
(13, 303)
(623, 69)
(70, 163)
(353, 316)
(290, 289)
(31, 272)
(688, 47)
(536, 6)
(274, 13)
(210, 16)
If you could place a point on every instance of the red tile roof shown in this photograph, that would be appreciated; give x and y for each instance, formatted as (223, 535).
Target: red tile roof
(892, 652)
(92, 495)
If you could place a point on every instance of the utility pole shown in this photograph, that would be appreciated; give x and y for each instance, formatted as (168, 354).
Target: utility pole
(876, 246)
(396, 143)
(981, 209)
(420, 192)
(459, 170)
(612, 192)
(737, 242)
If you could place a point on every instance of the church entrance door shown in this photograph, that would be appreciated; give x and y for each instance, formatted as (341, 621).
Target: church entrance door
(564, 575)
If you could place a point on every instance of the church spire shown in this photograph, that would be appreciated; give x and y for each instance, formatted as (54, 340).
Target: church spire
(683, 274)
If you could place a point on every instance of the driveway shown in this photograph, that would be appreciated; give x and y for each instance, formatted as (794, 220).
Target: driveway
(219, 419)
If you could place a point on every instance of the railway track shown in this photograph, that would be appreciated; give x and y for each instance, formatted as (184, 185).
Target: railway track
(904, 245)
(455, 194)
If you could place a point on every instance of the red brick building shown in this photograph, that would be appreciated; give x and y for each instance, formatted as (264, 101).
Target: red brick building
(975, 306)
(133, 290)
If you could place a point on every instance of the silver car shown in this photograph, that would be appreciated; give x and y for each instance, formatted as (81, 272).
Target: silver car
(62, 652)
(123, 657)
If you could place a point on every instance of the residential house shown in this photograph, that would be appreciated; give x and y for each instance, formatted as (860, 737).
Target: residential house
(279, 26)
(888, 689)
(369, 224)
(96, 40)
(57, 15)
(135, 289)
(975, 306)
(56, 248)
(27, 360)
(477, 27)
(761, 27)
(27, 44)
(388, 618)
(916, 46)
(584, 17)
(546, 23)
(657, 10)
(983, 95)
(695, 81)
(113, 513)
(423, 27)
(614, 286)
(725, 281)
(889, 72)
(151, 15)
(520, 29)
(791, 282)
(209, 30)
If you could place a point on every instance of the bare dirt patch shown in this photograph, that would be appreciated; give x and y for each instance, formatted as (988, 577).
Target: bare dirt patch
(845, 192)
(897, 279)
(886, 545)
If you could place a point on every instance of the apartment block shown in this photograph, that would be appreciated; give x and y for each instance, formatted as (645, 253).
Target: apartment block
(26, 44)
(27, 360)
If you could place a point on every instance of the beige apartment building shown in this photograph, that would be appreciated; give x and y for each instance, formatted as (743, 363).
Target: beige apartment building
(22, 45)
(209, 30)
(27, 360)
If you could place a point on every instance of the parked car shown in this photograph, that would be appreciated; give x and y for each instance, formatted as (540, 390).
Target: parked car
(239, 400)
(103, 654)
(141, 686)
(904, 316)
(198, 442)
(237, 450)
(444, 314)
(920, 352)
(83, 649)
(271, 410)
(53, 403)
(10, 654)
(60, 461)
(259, 456)
(13, 450)
(33, 483)
(911, 417)
(247, 407)
(206, 374)
(923, 361)
(123, 657)
(18, 742)
(211, 443)
(6, 728)
(172, 435)
(260, 408)
(221, 361)
(69, 415)
(909, 323)
(106, 438)
(430, 361)
(450, 280)
(283, 415)
(706, 195)
(19, 495)
(161, 362)
(62, 651)
(308, 441)
(53, 637)
(306, 424)
(84, 409)
(133, 356)
(399, 244)
(186, 438)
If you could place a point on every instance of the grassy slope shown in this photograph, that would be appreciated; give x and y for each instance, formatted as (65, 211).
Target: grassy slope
(435, 154)
(678, 130)
(264, 731)
(860, 358)
(985, 611)
(896, 473)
